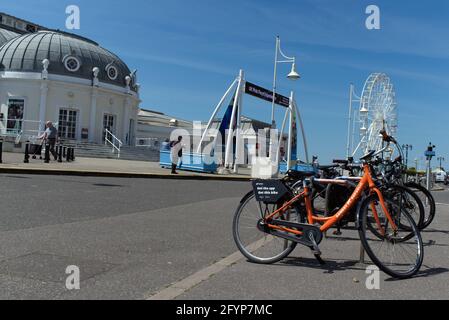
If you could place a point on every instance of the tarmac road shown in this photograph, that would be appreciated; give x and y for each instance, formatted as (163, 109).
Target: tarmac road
(128, 236)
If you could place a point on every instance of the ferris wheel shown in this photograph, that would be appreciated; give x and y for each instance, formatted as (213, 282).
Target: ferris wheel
(377, 111)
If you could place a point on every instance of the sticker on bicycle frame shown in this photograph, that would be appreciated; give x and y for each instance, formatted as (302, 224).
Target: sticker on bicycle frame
(269, 191)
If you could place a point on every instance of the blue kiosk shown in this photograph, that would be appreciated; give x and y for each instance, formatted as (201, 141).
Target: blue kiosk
(188, 162)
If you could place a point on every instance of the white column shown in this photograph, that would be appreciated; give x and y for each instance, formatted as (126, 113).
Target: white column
(238, 144)
(126, 108)
(303, 131)
(229, 142)
(209, 124)
(281, 134)
(290, 136)
(43, 106)
(348, 145)
(93, 115)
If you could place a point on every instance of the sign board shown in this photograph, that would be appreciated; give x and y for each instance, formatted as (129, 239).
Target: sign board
(267, 95)
(269, 191)
(430, 153)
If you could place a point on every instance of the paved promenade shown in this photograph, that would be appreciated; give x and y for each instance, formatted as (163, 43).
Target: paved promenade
(13, 163)
(172, 239)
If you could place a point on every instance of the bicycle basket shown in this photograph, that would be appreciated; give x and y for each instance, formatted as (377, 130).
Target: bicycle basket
(269, 191)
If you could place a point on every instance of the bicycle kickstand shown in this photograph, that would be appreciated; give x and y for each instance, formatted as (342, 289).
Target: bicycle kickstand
(338, 231)
(316, 250)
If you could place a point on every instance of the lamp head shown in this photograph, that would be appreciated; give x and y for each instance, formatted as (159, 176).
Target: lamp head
(293, 75)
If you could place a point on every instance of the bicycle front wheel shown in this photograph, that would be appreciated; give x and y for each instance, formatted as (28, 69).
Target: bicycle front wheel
(399, 251)
(255, 245)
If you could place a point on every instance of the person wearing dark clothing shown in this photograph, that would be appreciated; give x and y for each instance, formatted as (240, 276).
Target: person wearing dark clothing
(176, 154)
(50, 135)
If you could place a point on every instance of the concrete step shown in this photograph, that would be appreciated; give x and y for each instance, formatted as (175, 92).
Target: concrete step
(90, 150)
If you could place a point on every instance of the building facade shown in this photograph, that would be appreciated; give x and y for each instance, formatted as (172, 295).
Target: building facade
(48, 75)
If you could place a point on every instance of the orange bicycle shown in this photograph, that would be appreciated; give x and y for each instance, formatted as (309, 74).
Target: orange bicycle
(273, 218)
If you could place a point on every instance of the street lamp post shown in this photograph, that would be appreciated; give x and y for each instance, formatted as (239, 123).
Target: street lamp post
(416, 168)
(430, 153)
(441, 159)
(293, 75)
(407, 147)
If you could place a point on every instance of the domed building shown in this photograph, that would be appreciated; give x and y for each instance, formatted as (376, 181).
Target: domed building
(48, 75)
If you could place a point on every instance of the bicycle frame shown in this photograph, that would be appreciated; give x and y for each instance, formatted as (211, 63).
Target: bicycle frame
(366, 182)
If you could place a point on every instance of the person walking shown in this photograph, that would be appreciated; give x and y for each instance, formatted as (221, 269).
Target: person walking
(49, 136)
(176, 153)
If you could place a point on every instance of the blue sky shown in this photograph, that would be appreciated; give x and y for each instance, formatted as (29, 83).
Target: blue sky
(188, 52)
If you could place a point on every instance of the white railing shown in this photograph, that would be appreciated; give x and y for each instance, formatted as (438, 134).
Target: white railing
(21, 129)
(113, 141)
(149, 143)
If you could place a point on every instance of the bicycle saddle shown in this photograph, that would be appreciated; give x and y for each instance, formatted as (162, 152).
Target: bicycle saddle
(328, 167)
(298, 175)
(368, 156)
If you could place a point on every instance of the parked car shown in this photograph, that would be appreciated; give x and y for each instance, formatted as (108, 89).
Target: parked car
(440, 176)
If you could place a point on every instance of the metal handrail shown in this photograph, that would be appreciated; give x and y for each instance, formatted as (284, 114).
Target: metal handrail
(149, 143)
(22, 128)
(113, 142)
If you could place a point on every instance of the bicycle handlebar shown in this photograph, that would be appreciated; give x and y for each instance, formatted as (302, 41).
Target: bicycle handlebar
(381, 150)
(386, 137)
(338, 161)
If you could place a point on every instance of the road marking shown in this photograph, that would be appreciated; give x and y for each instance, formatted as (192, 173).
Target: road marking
(442, 204)
(184, 285)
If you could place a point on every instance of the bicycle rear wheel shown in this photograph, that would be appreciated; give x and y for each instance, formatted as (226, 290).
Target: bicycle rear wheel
(399, 253)
(255, 245)
(407, 198)
(427, 200)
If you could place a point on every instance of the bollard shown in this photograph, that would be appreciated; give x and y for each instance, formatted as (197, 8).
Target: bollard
(73, 154)
(27, 156)
(47, 153)
(67, 154)
(60, 153)
(1, 150)
(64, 150)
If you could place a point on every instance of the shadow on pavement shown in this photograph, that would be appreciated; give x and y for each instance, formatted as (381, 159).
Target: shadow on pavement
(431, 272)
(17, 177)
(340, 238)
(432, 243)
(107, 185)
(436, 231)
(425, 273)
(330, 267)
